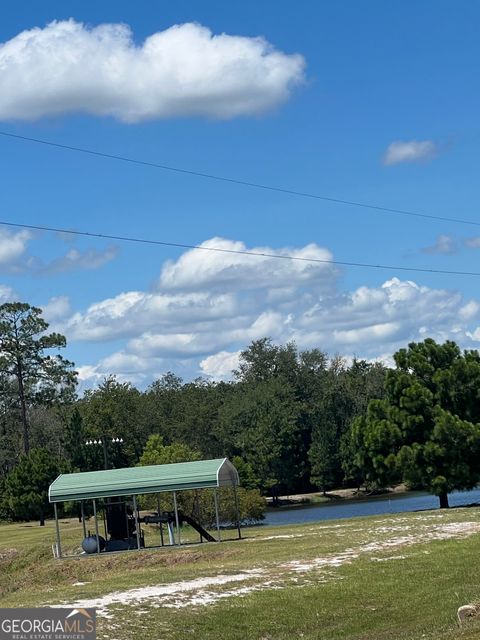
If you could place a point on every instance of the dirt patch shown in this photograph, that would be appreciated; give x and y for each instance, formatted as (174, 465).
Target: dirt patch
(208, 590)
(439, 532)
(161, 591)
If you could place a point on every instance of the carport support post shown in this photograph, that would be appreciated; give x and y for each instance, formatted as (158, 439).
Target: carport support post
(57, 529)
(215, 497)
(96, 524)
(237, 511)
(104, 511)
(83, 519)
(137, 528)
(160, 525)
(175, 508)
(127, 521)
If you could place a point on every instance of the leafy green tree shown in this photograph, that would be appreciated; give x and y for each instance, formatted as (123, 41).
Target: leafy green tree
(262, 360)
(114, 410)
(263, 420)
(251, 506)
(329, 415)
(156, 452)
(344, 394)
(323, 455)
(35, 377)
(26, 486)
(198, 409)
(426, 432)
(163, 406)
(246, 474)
(200, 504)
(293, 383)
(362, 382)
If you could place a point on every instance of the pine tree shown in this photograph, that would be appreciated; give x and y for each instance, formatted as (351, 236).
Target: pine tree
(36, 377)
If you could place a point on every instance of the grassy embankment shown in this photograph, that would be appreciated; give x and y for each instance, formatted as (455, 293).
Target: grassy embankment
(390, 577)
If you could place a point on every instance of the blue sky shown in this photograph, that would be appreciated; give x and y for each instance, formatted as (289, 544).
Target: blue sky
(371, 101)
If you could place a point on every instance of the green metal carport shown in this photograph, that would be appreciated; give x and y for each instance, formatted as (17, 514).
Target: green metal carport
(134, 481)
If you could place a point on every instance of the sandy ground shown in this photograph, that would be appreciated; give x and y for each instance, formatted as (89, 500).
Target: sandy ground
(401, 535)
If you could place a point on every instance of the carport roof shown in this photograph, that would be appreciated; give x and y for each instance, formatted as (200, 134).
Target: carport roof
(180, 476)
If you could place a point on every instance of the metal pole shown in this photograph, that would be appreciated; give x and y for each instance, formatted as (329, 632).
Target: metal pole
(176, 517)
(96, 524)
(160, 525)
(83, 519)
(237, 511)
(197, 505)
(105, 456)
(137, 526)
(57, 529)
(127, 521)
(104, 512)
(217, 519)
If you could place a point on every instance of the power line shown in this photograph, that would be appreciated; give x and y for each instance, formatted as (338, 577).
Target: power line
(244, 183)
(181, 245)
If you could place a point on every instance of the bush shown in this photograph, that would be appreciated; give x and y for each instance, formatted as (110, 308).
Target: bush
(200, 505)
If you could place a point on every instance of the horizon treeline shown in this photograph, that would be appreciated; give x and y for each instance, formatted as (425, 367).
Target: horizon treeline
(286, 413)
(293, 420)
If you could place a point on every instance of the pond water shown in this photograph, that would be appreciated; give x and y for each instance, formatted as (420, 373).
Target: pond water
(414, 501)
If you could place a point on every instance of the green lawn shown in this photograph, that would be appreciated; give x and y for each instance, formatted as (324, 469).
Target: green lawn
(386, 577)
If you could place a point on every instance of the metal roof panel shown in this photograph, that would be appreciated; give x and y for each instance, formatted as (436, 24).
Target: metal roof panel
(149, 479)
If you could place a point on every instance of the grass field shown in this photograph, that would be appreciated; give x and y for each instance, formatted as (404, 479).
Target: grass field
(400, 576)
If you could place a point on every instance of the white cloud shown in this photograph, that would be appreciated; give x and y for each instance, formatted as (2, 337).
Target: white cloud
(12, 246)
(469, 310)
(473, 243)
(444, 245)
(374, 317)
(15, 257)
(207, 310)
(371, 333)
(56, 308)
(410, 151)
(68, 67)
(227, 270)
(7, 294)
(207, 292)
(88, 373)
(134, 312)
(126, 367)
(219, 366)
(76, 259)
(203, 338)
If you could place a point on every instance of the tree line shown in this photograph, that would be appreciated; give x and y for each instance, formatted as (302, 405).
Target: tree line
(294, 420)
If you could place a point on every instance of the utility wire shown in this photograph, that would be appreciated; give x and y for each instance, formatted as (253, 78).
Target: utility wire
(181, 245)
(245, 183)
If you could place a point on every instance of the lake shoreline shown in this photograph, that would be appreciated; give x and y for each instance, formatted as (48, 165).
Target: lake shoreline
(382, 504)
(337, 496)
